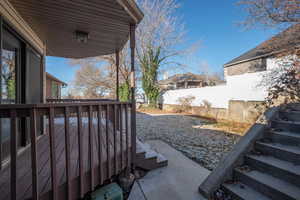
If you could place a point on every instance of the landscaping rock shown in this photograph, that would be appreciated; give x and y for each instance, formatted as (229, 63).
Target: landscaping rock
(205, 146)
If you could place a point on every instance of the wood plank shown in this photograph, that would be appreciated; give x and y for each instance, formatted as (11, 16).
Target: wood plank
(60, 160)
(100, 144)
(91, 146)
(126, 133)
(67, 151)
(33, 126)
(25, 174)
(45, 171)
(1, 47)
(115, 120)
(52, 154)
(13, 154)
(107, 142)
(133, 108)
(121, 134)
(80, 147)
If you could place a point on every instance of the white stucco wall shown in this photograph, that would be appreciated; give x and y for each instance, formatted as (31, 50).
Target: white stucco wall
(239, 87)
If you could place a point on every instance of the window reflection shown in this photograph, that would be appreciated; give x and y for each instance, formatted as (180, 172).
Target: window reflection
(8, 76)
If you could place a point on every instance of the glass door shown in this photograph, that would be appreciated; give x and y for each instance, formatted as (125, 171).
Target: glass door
(9, 84)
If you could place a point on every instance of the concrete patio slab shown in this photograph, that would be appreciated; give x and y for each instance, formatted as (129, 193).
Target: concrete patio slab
(136, 192)
(178, 181)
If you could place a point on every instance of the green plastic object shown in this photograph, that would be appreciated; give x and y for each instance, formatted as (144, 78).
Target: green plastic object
(108, 192)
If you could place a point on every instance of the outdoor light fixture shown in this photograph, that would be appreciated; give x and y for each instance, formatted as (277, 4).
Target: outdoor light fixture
(81, 36)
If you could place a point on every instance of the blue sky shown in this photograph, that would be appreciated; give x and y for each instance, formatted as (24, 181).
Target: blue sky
(213, 23)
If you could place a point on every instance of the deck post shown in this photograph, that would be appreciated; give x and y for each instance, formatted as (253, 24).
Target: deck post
(43, 78)
(133, 108)
(1, 44)
(117, 74)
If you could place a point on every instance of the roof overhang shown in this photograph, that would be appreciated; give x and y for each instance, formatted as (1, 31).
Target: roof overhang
(105, 22)
(248, 60)
(132, 9)
(53, 78)
(271, 54)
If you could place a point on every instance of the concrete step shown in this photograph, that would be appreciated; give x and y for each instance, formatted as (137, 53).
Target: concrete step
(291, 107)
(140, 151)
(148, 159)
(284, 152)
(278, 168)
(284, 137)
(162, 161)
(268, 185)
(290, 116)
(243, 192)
(152, 162)
(281, 125)
(140, 155)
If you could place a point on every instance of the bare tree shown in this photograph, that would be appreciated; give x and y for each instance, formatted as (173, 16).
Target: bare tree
(90, 82)
(8, 75)
(282, 83)
(271, 12)
(276, 14)
(105, 66)
(158, 38)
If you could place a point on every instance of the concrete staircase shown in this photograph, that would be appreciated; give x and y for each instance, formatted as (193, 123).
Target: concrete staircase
(271, 168)
(147, 158)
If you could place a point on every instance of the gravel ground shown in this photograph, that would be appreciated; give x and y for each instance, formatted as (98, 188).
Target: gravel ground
(185, 134)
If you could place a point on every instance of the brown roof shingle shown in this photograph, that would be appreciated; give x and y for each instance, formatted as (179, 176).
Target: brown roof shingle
(286, 39)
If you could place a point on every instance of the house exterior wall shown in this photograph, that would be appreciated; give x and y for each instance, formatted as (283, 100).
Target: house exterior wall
(48, 89)
(257, 65)
(49, 94)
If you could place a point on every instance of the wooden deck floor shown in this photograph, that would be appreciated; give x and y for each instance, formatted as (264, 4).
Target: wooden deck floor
(24, 185)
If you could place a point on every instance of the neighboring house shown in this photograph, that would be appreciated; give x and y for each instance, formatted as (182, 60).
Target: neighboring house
(261, 57)
(243, 76)
(188, 80)
(66, 149)
(53, 87)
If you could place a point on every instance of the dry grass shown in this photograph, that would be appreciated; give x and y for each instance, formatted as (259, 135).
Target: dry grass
(150, 110)
(222, 125)
(228, 126)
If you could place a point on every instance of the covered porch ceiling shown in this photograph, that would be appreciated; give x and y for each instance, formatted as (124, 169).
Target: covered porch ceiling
(106, 23)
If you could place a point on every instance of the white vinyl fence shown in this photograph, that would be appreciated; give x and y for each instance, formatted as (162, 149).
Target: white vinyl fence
(239, 87)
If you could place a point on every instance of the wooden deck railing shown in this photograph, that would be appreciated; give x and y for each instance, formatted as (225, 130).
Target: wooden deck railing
(100, 148)
(78, 100)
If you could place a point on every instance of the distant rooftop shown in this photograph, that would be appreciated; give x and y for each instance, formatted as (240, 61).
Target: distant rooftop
(286, 39)
(177, 78)
(50, 76)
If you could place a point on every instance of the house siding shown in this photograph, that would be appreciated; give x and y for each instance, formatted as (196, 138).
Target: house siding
(252, 66)
(49, 95)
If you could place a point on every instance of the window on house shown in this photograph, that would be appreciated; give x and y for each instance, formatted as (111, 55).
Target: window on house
(9, 86)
